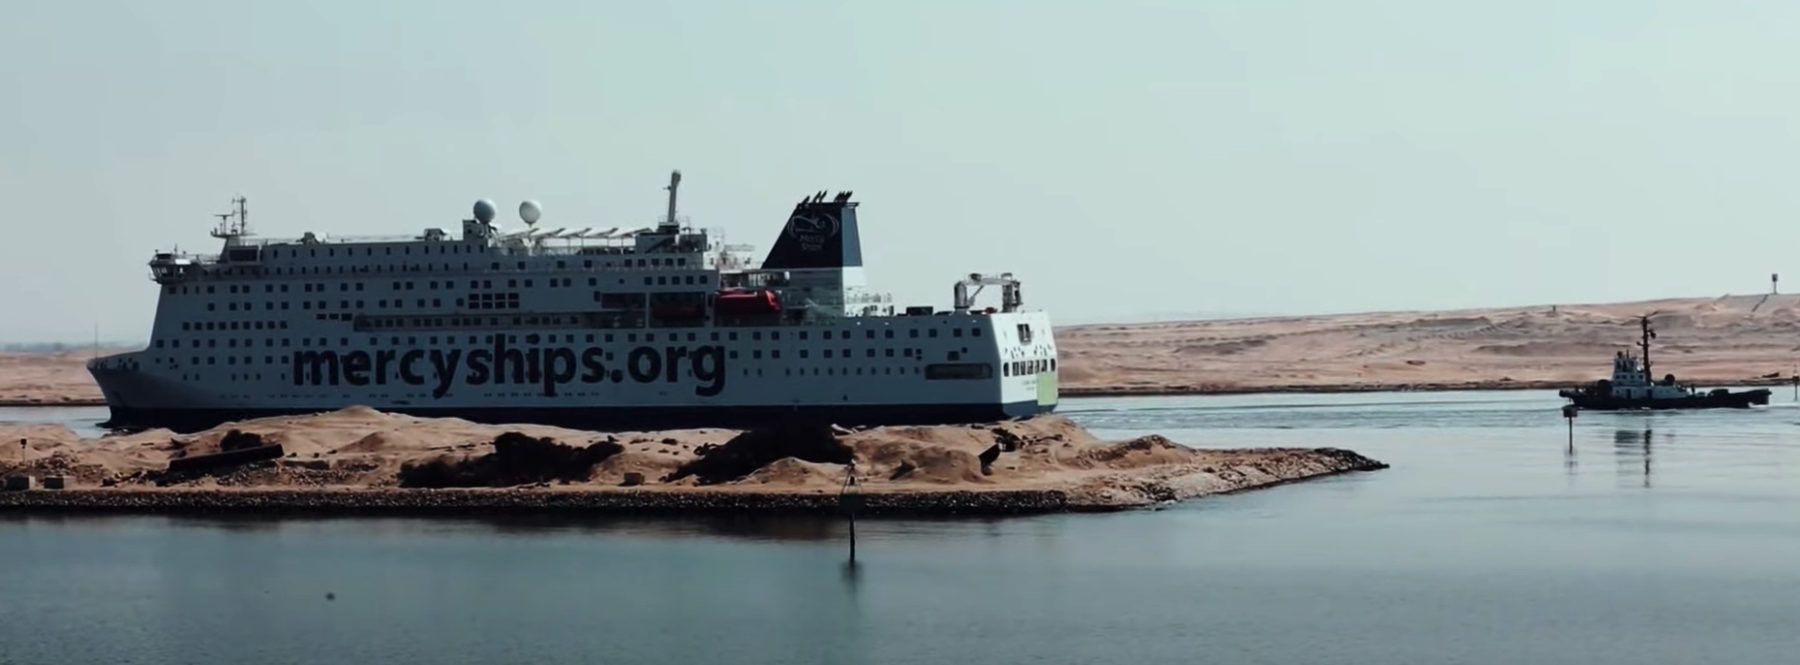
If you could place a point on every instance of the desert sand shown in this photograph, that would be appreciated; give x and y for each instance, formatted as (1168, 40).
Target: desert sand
(1052, 464)
(49, 379)
(1724, 340)
(1716, 341)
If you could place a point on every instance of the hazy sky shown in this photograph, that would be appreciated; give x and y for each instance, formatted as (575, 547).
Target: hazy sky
(1125, 159)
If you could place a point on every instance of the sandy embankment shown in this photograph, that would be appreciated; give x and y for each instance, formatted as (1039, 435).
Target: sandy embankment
(1725, 340)
(49, 379)
(353, 461)
(1717, 341)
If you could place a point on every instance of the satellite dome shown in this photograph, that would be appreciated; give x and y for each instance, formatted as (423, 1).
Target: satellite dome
(484, 211)
(530, 211)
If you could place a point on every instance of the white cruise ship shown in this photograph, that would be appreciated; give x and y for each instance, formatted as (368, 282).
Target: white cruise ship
(602, 328)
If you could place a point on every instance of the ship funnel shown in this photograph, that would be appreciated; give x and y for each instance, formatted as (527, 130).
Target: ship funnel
(820, 233)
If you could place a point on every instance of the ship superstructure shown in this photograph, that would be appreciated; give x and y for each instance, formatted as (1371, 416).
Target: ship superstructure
(608, 328)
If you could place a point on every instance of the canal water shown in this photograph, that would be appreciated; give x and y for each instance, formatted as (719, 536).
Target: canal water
(1655, 538)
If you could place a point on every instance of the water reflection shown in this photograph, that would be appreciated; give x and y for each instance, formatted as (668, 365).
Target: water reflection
(1631, 447)
(852, 576)
(1569, 464)
(783, 528)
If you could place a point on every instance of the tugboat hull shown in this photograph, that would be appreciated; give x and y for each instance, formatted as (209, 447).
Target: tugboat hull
(1715, 400)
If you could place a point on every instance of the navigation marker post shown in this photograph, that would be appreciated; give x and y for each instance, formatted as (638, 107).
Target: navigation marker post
(1569, 415)
(849, 499)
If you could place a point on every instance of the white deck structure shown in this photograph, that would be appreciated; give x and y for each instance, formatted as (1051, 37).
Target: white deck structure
(585, 325)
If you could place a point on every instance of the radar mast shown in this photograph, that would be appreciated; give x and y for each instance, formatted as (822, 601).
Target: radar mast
(234, 224)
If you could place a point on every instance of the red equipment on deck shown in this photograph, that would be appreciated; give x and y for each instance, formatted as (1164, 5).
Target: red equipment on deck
(747, 303)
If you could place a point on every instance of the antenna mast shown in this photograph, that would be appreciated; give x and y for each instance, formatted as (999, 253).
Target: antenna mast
(236, 223)
(1644, 322)
(674, 183)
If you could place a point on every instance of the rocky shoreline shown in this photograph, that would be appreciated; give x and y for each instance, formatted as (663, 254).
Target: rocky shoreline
(457, 502)
(358, 461)
(349, 502)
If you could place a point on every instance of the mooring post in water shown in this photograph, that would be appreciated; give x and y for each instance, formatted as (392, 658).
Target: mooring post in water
(849, 499)
(1569, 415)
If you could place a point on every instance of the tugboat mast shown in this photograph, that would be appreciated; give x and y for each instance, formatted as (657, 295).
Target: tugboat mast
(1644, 322)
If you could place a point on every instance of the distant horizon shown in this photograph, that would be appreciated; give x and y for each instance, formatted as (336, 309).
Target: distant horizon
(40, 346)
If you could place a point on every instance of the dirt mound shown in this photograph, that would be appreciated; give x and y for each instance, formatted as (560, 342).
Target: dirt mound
(647, 464)
(1143, 451)
(37, 436)
(238, 440)
(61, 463)
(947, 455)
(517, 460)
(754, 449)
(374, 442)
(359, 414)
(793, 472)
(938, 464)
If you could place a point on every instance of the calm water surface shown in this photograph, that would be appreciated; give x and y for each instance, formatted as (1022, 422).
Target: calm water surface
(1659, 538)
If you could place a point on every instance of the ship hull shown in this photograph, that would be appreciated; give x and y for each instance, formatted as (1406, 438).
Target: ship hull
(1735, 400)
(621, 418)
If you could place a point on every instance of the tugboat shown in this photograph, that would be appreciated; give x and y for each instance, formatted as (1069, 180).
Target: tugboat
(1631, 388)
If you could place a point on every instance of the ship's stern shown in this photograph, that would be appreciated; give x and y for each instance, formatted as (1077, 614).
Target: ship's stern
(1028, 364)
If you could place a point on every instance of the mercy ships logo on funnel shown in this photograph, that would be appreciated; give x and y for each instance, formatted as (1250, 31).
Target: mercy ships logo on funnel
(812, 229)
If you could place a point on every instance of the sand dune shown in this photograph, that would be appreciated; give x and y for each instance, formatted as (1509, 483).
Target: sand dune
(48, 379)
(1730, 339)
